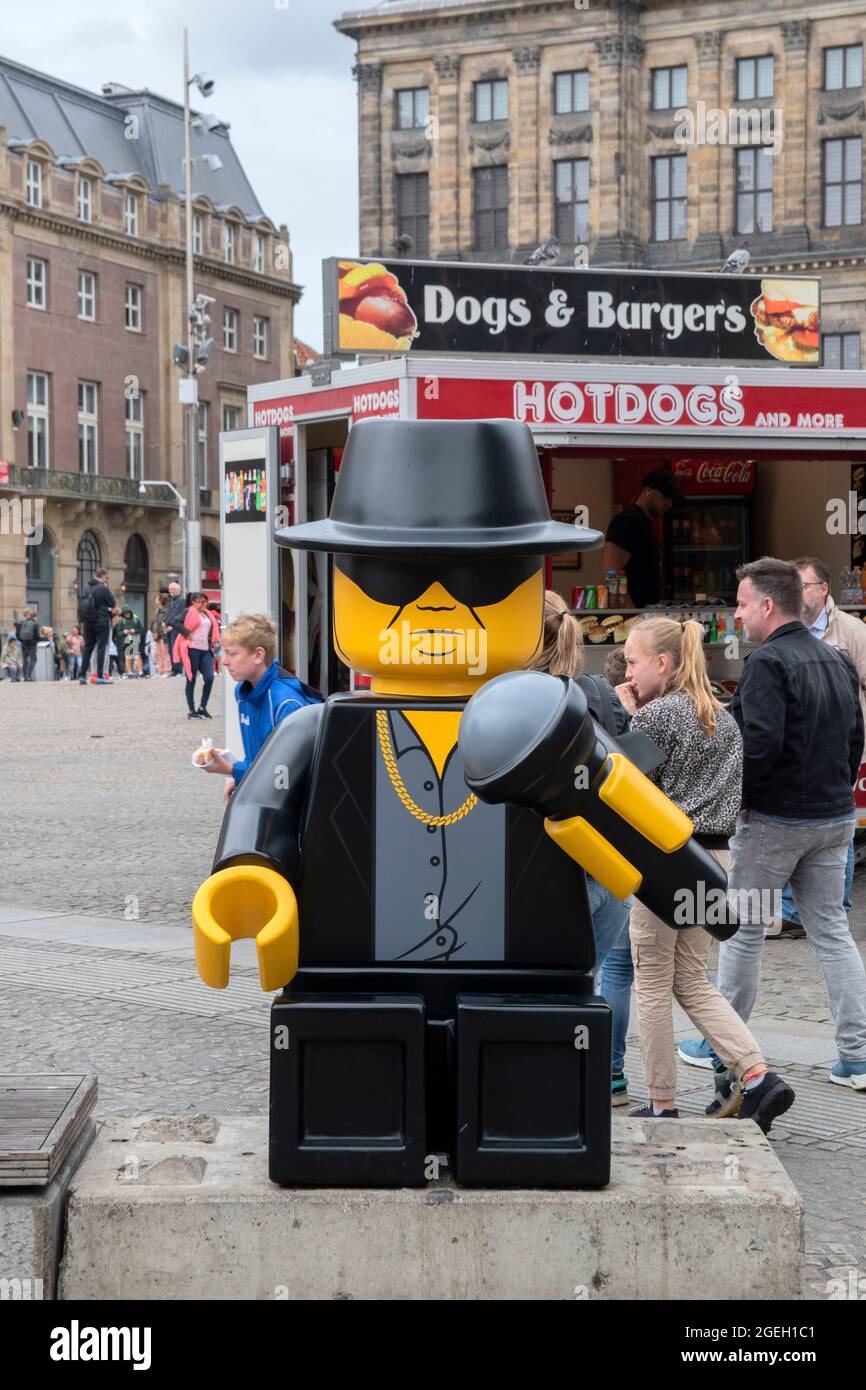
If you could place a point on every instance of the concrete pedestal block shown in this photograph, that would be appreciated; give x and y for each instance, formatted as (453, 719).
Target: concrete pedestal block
(179, 1209)
(31, 1228)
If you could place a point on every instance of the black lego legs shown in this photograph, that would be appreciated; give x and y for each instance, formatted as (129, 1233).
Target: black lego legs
(366, 1090)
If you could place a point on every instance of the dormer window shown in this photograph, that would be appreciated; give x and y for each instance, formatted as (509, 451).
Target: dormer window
(229, 241)
(34, 183)
(85, 199)
(197, 234)
(130, 214)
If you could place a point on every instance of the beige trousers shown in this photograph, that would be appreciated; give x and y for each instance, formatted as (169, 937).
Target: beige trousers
(668, 965)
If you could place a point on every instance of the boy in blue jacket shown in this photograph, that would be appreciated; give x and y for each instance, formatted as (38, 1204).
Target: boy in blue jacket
(265, 693)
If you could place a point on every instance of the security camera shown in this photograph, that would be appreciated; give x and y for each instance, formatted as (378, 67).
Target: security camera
(141, 489)
(204, 83)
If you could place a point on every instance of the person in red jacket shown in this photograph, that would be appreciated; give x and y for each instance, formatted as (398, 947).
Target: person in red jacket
(193, 648)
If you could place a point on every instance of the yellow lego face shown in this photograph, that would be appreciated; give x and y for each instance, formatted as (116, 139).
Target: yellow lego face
(437, 627)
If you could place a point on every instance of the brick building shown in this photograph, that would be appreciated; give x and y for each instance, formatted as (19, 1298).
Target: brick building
(92, 300)
(488, 126)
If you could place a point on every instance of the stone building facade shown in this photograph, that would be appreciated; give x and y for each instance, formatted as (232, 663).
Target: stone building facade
(92, 301)
(488, 126)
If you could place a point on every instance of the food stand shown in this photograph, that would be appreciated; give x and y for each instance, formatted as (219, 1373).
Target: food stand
(783, 447)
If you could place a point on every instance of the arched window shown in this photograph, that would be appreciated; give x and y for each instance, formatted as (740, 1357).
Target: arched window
(136, 573)
(210, 554)
(89, 559)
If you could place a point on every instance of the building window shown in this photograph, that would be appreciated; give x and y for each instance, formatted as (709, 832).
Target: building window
(85, 200)
(89, 560)
(670, 88)
(197, 234)
(135, 436)
(570, 92)
(754, 77)
(88, 427)
(130, 214)
(229, 243)
(230, 330)
(491, 100)
(86, 295)
(413, 211)
(133, 308)
(670, 197)
(231, 418)
(491, 208)
(37, 283)
(258, 253)
(37, 419)
(201, 444)
(841, 351)
(843, 182)
(843, 67)
(413, 108)
(34, 183)
(260, 337)
(571, 192)
(755, 189)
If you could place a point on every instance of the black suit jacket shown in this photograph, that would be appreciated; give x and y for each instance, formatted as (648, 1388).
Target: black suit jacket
(306, 808)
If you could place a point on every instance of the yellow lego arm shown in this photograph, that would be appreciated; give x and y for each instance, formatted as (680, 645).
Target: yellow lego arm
(242, 901)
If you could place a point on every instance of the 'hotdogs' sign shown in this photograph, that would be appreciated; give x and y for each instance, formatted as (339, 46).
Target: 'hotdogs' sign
(443, 307)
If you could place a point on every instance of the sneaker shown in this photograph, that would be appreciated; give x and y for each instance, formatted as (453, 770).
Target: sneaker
(193, 714)
(779, 927)
(82, 680)
(646, 1112)
(203, 714)
(103, 680)
(696, 1052)
(728, 1097)
(765, 1103)
(618, 1089)
(849, 1074)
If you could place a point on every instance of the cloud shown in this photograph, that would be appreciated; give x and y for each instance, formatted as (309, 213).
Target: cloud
(283, 81)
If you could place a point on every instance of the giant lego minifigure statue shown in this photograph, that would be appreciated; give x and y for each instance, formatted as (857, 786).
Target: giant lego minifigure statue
(435, 941)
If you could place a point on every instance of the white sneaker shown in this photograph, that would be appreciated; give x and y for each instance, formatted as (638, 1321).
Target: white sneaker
(773, 927)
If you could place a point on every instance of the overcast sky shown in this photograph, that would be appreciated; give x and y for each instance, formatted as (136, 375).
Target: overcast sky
(283, 81)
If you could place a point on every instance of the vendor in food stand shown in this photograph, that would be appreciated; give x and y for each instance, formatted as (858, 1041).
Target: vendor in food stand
(631, 544)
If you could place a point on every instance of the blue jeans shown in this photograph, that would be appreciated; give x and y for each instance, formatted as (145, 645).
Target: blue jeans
(789, 911)
(614, 969)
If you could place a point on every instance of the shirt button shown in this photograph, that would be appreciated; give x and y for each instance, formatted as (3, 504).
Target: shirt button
(431, 829)
(428, 786)
(435, 860)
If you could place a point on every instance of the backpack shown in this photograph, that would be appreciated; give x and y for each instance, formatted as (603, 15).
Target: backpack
(307, 693)
(87, 608)
(28, 632)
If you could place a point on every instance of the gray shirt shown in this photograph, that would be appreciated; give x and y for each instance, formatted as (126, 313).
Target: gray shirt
(439, 890)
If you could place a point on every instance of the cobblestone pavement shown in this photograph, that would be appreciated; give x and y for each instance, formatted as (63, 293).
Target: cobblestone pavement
(107, 831)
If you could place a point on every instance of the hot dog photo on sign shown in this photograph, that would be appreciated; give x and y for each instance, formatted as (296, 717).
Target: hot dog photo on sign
(787, 320)
(374, 311)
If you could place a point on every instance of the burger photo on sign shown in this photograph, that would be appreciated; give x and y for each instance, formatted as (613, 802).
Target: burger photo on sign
(374, 311)
(787, 320)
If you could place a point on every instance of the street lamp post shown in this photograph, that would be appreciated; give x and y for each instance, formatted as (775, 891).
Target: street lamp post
(192, 525)
(189, 584)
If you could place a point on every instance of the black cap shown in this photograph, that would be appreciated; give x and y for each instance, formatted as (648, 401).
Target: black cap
(664, 482)
(440, 487)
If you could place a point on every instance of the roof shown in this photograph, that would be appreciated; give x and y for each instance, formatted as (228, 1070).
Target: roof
(305, 354)
(78, 124)
(388, 8)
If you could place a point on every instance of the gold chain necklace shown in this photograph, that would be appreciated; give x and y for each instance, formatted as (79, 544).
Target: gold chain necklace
(400, 786)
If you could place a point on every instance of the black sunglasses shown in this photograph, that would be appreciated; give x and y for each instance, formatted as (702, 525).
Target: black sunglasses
(473, 583)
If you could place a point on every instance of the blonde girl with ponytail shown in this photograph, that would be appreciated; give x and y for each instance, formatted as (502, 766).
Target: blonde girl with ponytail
(668, 693)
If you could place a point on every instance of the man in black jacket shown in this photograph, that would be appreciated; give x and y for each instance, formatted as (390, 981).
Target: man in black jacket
(95, 614)
(173, 622)
(798, 709)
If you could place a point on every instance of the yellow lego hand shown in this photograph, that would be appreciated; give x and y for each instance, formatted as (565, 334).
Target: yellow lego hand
(242, 901)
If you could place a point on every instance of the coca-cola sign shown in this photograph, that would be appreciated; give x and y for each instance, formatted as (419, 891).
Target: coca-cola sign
(710, 477)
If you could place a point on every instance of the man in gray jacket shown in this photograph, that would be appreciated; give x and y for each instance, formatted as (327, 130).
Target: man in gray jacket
(173, 621)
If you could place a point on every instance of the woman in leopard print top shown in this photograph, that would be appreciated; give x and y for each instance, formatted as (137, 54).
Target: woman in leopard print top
(702, 773)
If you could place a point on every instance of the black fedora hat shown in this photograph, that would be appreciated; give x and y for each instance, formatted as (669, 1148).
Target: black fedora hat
(439, 487)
